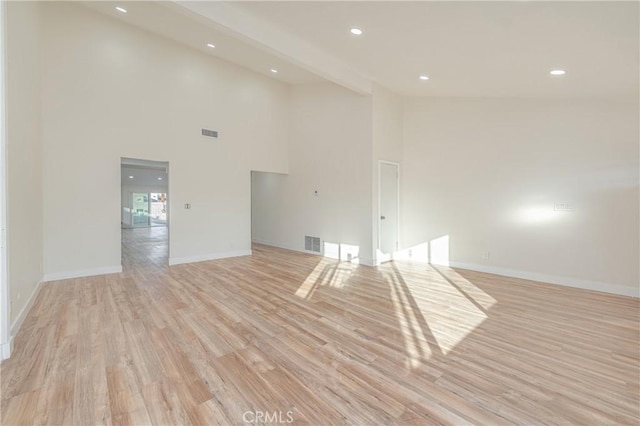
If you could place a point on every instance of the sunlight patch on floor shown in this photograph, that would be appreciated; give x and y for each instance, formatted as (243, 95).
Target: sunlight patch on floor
(434, 251)
(416, 348)
(453, 322)
(472, 291)
(329, 273)
(435, 310)
(341, 251)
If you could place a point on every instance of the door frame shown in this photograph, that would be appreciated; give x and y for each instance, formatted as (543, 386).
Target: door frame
(5, 314)
(140, 161)
(380, 258)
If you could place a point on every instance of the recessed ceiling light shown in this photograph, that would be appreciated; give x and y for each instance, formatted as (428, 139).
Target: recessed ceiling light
(273, 70)
(159, 178)
(130, 177)
(121, 9)
(424, 77)
(356, 31)
(213, 46)
(557, 72)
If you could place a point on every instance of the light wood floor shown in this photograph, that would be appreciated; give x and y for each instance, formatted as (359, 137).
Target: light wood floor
(144, 247)
(323, 342)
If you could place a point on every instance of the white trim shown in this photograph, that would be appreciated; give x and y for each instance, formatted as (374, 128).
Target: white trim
(5, 337)
(6, 349)
(56, 276)
(361, 260)
(551, 279)
(17, 324)
(514, 273)
(285, 246)
(366, 262)
(205, 257)
(382, 257)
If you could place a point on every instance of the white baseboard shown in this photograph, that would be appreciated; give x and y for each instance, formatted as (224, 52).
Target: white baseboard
(367, 262)
(211, 256)
(361, 260)
(284, 246)
(56, 276)
(7, 347)
(496, 270)
(551, 279)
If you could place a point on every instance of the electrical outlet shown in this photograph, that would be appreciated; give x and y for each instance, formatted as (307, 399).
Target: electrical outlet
(18, 296)
(485, 255)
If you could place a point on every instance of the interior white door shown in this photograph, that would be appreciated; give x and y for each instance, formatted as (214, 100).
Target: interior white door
(388, 228)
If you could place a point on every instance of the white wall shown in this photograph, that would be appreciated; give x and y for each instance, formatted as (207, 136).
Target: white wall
(110, 90)
(488, 172)
(330, 151)
(387, 143)
(24, 155)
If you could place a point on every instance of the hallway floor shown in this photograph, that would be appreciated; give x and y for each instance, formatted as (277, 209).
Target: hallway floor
(144, 247)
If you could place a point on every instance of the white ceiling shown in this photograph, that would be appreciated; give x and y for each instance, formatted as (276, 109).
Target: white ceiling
(476, 49)
(143, 175)
(176, 23)
(496, 49)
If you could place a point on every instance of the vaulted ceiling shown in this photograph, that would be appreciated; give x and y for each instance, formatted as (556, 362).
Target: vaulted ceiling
(477, 49)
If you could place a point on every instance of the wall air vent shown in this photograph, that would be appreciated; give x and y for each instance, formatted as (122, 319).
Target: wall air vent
(312, 244)
(210, 133)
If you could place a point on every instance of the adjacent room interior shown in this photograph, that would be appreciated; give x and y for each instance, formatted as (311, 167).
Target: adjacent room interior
(223, 212)
(145, 213)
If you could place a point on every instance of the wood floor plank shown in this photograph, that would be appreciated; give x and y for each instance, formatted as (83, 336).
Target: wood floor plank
(285, 333)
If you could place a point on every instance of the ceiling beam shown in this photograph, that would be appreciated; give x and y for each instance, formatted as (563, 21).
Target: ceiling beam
(258, 32)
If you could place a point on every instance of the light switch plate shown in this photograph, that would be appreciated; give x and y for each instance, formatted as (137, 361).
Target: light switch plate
(563, 207)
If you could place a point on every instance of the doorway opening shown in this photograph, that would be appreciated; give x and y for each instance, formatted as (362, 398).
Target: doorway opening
(266, 188)
(388, 209)
(144, 213)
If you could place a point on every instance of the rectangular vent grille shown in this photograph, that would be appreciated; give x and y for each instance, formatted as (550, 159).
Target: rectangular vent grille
(312, 244)
(209, 133)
